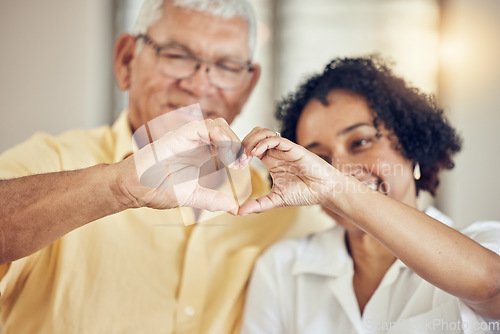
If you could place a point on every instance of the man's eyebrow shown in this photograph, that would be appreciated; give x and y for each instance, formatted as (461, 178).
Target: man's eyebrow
(186, 48)
(175, 44)
(352, 127)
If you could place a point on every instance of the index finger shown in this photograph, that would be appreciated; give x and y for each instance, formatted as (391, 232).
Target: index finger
(256, 136)
(224, 141)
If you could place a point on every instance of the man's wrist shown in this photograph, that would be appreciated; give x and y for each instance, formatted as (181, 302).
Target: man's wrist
(119, 178)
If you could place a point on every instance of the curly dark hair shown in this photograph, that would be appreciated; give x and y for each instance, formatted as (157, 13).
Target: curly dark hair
(423, 133)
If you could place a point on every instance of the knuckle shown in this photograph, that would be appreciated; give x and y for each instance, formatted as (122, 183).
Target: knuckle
(217, 131)
(197, 124)
(221, 121)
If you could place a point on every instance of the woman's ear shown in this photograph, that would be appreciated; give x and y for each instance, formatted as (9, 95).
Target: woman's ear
(122, 57)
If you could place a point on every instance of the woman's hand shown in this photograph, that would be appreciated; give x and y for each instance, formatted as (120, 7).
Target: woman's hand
(299, 177)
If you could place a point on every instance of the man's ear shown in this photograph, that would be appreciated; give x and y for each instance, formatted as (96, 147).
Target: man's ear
(247, 90)
(255, 78)
(122, 57)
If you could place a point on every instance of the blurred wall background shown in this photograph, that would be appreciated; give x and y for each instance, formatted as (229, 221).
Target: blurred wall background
(470, 91)
(56, 74)
(55, 71)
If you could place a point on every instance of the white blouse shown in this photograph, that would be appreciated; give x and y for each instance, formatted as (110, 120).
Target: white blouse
(305, 286)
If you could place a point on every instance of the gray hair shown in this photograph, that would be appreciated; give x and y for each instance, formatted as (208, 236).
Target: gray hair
(151, 12)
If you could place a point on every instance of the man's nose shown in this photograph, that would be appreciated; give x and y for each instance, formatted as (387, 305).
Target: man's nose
(198, 84)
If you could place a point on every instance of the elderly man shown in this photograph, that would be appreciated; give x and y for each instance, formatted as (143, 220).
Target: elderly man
(84, 248)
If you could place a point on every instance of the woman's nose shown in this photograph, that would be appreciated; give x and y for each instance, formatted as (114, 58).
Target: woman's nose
(348, 165)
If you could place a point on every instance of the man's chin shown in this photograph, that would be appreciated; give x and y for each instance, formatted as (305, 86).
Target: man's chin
(191, 112)
(210, 115)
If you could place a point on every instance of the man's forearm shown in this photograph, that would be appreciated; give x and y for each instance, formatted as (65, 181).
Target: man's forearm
(37, 210)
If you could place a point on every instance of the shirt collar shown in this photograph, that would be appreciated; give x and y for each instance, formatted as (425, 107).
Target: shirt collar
(438, 215)
(123, 137)
(325, 253)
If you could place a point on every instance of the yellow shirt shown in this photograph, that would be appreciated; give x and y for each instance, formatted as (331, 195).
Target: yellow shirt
(138, 271)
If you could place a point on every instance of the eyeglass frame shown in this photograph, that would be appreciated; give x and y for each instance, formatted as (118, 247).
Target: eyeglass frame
(247, 66)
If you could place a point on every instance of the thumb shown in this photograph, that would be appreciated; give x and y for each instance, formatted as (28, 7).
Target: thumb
(258, 205)
(213, 200)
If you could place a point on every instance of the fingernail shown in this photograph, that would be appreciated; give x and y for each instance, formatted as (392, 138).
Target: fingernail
(243, 161)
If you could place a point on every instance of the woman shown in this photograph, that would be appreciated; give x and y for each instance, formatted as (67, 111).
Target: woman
(368, 144)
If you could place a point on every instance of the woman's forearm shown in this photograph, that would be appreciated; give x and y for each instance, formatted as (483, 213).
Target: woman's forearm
(439, 254)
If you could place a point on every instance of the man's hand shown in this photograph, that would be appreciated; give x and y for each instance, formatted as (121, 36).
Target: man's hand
(165, 174)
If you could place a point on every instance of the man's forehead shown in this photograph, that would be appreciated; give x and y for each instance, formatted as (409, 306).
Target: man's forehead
(203, 33)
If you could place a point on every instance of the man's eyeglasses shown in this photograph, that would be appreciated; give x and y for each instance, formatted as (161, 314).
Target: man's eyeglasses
(177, 62)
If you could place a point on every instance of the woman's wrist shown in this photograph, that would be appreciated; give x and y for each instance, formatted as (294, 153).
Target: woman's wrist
(334, 194)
